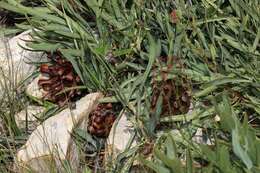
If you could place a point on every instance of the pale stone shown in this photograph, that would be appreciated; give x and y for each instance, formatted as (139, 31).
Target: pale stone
(51, 143)
(198, 137)
(217, 118)
(14, 60)
(34, 90)
(30, 114)
(119, 137)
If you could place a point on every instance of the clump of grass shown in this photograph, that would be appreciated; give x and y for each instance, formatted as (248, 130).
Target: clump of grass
(11, 103)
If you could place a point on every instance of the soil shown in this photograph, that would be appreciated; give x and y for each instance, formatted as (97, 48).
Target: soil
(9, 19)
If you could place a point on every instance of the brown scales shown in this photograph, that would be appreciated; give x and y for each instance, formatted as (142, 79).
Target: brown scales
(175, 92)
(60, 75)
(101, 120)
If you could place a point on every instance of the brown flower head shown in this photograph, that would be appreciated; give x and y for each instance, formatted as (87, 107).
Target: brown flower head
(60, 75)
(101, 120)
(175, 92)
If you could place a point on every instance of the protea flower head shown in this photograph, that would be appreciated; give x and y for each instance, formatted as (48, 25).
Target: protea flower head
(58, 76)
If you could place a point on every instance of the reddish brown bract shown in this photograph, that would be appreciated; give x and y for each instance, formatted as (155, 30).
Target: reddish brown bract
(176, 98)
(101, 120)
(174, 16)
(60, 75)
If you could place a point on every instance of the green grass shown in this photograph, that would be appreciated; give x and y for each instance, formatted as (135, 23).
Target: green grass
(11, 102)
(114, 47)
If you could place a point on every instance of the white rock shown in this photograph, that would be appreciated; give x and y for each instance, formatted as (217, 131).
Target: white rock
(51, 143)
(120, 134)
(198, 137)
(33, 89)
(14, 66)
(201, 138)
(217, 118)
(14, 59)
(29, 114)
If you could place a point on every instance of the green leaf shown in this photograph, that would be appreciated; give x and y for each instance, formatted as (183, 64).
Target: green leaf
(238, 150)
(156, 167)
(44, 46)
